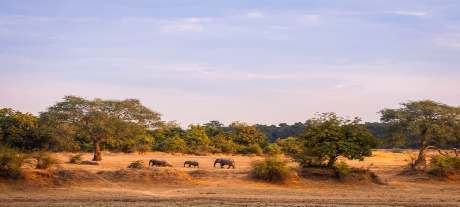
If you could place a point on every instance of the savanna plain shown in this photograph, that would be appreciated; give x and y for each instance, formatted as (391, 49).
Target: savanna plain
(111, 184)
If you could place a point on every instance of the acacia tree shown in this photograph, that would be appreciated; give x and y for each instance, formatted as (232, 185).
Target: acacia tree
(328, 136)
(99, 119)
(426, 122)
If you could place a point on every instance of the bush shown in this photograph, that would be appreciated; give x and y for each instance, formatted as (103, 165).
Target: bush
(342, 170)
(76, 159)
(44, 160)
(397, 150)
(273, 149)
(270, 169)
(10, 163)
(443, 166)
(253, 149)
(138, 164)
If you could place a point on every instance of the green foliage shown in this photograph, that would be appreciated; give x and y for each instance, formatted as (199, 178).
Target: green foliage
(21, 130)
(424, 122)
(342, 169)
(245, 135)
(44, 160)
(273, 149)
(76, 159)
(329, 136)
(166, 135)
(10, 162)
(174, 144)
(270, 169)
(281, 131)
(252, 149)
(223, 143)
(291, 146)
(144, 143)
(196, 138)
(111, 122)
(443, 166)
(138, 164)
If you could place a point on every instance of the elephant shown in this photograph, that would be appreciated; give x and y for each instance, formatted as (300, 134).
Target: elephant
(159, 163)
(192, 163)
(225, 161)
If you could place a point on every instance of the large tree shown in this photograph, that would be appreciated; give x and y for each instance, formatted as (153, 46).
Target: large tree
(99, 119)
(427, 122)
(329, 136)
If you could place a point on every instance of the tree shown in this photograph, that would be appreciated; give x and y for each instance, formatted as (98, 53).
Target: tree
(244, 134)
(21, 130)
(197, 139)
(213, 128)
(99, 119)
(163, 135)
(329, 136)
(425, 122)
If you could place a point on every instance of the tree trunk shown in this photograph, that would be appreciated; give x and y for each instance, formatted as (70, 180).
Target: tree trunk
(421, 161)
(97, 152)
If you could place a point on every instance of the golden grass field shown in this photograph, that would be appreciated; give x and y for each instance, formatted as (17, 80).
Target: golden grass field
(108, 184)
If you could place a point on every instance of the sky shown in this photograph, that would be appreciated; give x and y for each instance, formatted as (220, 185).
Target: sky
(259, 61)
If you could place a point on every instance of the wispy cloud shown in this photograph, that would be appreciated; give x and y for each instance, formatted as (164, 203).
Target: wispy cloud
(410, 13)
(190, 24)
(255, 14)
(452, 42)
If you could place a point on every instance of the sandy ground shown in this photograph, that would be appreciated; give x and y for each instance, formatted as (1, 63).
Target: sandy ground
(211, 186)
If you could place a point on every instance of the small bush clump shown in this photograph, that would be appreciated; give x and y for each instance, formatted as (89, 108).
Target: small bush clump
(138, 164)
(397, 150)
(273, 149)
(252, 149)
(76, 159)
(271, 170)
(45, 160)
(10, 163)
(342, 170)
(443, 166)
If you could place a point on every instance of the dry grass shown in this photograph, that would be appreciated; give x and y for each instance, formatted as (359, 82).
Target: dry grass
(112, 184)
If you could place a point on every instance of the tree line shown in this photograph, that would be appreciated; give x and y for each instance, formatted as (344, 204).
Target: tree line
(78, 124)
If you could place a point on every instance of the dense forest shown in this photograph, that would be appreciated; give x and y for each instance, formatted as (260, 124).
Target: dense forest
(76, 124)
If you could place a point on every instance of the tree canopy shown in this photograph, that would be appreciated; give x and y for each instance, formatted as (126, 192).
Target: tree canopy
(329, 136)
(427, 122)
(100, 120)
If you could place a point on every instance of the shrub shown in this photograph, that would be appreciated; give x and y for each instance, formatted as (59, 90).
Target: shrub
(342, 169)
(45, 160)
(10, 163)
(270, 169)
(76, 159)
(290, 146)
(253, 149)
(443, 166)
(138, 164)
(397, 150)
(273, 149)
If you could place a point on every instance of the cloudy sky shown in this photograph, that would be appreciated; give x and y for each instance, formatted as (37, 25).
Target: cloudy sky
(253, 61)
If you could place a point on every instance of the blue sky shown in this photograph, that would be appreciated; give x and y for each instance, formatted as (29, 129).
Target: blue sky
(253, 61)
